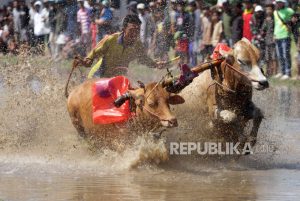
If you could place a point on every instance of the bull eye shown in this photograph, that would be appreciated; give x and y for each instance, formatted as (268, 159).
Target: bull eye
(241, 62)
(152, 103)
(245, 65)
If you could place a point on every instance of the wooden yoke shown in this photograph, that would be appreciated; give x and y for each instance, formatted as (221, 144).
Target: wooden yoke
(177, 83)
(198, 69)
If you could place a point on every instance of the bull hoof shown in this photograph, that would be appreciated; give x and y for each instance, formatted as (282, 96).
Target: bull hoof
(252, 140)
(227, 116)
(156, 136)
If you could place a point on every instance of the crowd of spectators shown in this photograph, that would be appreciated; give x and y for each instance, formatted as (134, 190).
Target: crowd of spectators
(191, 28)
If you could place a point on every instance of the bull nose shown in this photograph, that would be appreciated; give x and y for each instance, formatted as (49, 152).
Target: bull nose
(173, 122)
(264, 83)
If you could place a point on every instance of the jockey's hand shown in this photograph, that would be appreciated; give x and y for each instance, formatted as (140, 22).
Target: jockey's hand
(161, 64)
(86, 62)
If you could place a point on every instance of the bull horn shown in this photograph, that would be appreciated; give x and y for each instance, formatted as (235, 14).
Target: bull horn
(122, 99)
(141, 84)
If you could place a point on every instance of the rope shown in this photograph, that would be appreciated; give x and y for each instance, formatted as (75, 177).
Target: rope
(76, 62)
(241, 73)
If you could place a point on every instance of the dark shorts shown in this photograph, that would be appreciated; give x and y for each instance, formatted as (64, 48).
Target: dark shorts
(270, 52)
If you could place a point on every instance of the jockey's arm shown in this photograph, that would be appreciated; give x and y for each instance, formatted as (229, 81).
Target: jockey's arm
(97, 52)
(146, 60)
(143, 58)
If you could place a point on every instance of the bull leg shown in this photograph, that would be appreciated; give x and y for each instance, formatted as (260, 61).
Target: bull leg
(257, 119)
(77, 124)
(228, 116)
(213, 115)
(80, 130)
(218, 115)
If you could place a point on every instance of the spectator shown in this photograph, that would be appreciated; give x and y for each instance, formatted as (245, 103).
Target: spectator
(104, 21)
(131, 8)
(84, 20)
(31, 23)
(159, 42)
(93, 28)
(206, 46)
(247, 15)
(3, 36)
(282, 17)
(12, 46)
(146, 21)
(7, 25)
(52, 24)
(17, 20)
(193, 32)
(91, 6)
(172, 13)
(31, 12)
(24, 22)
(152, 23)
(71, 9)
(45, 16)
(60, 25)
(256, 23)
(268, 36)
(163, 6)
(236, 23)
(217, 28)
(152, 6)
(226, 18)
(182, 34)
(41, 31)
(295, 24)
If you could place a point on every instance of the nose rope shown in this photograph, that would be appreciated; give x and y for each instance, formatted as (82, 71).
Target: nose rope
(240, 72)
(224, 87)
(154, 114)
(159, 82)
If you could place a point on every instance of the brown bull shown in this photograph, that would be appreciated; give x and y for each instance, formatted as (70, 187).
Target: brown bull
(152, 107)
(224, 94)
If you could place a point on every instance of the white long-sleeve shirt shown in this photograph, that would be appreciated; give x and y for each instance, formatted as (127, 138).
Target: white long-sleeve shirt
(40, 21)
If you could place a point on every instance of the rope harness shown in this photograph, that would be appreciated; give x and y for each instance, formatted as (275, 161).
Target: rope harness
(142, 106)
(218, 82)
(77, 60)
(217, 69)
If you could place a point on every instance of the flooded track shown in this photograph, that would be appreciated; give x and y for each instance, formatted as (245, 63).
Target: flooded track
(43, 158)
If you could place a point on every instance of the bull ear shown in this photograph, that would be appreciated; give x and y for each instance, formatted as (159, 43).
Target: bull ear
(230, 59)
(228, 56)
(256, 51)
(141, 84)
(175, 100)
(246, 40)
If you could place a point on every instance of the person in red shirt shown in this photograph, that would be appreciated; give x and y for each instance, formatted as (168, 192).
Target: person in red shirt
(247, 15)
(93, 29)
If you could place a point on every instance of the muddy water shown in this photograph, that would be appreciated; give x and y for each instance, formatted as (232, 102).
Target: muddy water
(42, 157)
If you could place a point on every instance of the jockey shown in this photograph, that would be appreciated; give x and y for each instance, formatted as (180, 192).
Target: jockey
(118, 50)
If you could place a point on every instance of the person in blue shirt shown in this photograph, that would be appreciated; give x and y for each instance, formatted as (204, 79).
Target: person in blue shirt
(71, 16)
(104, 21)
